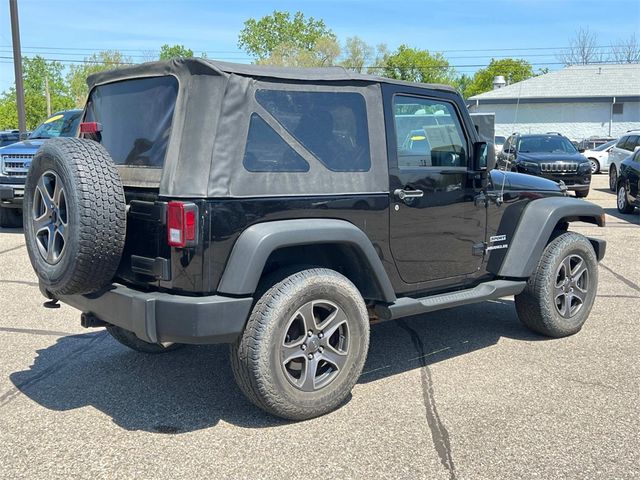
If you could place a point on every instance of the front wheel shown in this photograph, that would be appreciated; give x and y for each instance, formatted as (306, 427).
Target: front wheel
(582, 193)
(623, 200)
(560, 293)
(595, 165)
(304, 345)
(613, 178)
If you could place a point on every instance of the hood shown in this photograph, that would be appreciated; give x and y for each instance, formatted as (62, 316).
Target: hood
(523, 182)
(551, 157)
(24, 147)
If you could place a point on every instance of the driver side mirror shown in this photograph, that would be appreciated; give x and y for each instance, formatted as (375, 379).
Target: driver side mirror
(484, 156)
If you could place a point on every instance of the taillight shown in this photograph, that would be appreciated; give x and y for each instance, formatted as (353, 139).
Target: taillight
(90, 127)
(182, 224)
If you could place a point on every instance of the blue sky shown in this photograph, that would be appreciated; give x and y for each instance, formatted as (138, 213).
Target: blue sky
(69, 30)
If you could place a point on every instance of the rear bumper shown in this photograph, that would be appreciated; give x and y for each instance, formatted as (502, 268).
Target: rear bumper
(162, 317)
(11, 195)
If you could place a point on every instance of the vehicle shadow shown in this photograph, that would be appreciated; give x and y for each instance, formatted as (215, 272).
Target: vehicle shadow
(12, 230)
(633, 218)
(193, 388)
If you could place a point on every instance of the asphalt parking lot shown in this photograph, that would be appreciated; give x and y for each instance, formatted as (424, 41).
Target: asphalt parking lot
(466, 393)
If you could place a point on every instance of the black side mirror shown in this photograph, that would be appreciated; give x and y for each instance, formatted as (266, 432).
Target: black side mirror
(581, 150)
(484, 156)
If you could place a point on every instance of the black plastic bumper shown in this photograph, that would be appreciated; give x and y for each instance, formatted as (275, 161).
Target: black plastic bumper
(162, 317)
(11, 195)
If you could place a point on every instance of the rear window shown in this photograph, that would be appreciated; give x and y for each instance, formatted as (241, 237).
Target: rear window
(330, 125)
(136, 117)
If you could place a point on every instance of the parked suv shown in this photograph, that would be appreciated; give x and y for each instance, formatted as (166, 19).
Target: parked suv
(549, 155)
(625, 147)
(628, 189)
(16, 158)
(283, 210)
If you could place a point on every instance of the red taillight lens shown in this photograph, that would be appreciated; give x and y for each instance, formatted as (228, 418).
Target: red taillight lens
(90, 127)
(182, 224)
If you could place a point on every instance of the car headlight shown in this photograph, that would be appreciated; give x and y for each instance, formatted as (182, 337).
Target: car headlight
(529, 165)
(585, 167)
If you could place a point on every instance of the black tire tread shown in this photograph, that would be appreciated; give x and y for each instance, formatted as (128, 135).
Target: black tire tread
(246, 362)
(102, 212)
(533, 306)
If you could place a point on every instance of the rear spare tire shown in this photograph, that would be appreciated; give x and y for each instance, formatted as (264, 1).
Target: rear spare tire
(74, 216)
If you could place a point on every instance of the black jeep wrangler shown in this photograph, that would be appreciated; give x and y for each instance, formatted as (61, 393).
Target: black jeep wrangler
(282, 210)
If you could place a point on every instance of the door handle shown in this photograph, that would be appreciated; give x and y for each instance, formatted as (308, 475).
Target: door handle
(402, 194)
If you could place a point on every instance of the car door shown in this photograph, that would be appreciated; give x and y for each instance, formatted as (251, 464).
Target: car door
(435, 225)
(633, 175)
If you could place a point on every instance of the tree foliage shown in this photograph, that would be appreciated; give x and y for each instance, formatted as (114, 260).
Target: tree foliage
(323, 53)
(97, 62)
(261, 38)
(167, 52)
(415, 65)
(357, 54)
(513, 69)
(626, 51)
(41, 77)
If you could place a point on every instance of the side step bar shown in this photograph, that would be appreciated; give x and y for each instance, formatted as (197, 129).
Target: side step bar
(406, 306)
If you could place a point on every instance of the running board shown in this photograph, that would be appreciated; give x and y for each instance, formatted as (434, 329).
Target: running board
(405, 306)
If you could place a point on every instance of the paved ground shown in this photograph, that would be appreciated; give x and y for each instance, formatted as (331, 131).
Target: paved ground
(466, 393)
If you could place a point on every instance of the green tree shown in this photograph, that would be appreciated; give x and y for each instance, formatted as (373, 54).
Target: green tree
(415, 65)
(97, 62)
(512, 69)
(167, 52)
(45, 91)
(462, 83)
(323, 53)
(357, 54)
(260, 38)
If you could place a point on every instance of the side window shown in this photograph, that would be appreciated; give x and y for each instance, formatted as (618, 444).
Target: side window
(633, 142)
(622, 142)
(266, 151)
(429, 133)
(330, 125)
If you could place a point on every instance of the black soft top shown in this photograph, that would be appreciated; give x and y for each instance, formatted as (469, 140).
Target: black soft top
(207, 136)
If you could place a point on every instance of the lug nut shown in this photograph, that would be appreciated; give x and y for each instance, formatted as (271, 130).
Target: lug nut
(321, 349)
(320, 335)
(310, 356)
(303, 346)
(309, 333)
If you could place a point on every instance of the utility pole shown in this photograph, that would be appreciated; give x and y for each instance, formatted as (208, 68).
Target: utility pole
(17, 65)
(47, 95)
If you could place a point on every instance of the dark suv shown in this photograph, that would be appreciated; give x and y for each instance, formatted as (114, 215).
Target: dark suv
(547, 155)
(283, 210)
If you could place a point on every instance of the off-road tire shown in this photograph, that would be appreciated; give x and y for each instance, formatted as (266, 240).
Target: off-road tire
(129, 339)
(582, 193)
(95, 212)
(10, 217)
(613, 177)
(255, 357)
(622, 199)
(535, 305)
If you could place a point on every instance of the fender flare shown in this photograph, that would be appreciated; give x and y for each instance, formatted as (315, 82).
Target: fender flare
(535, 227)
(254, 246)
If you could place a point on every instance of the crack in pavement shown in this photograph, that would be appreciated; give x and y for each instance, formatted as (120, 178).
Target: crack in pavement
(33, 331)
(622, 278)
(12, 249)
(439, 433)
(12, 393)
(21, 282)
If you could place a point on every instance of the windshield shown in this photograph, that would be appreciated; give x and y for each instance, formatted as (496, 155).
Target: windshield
(500, 140)
(546, 144)
(59, 125)
(604, 146)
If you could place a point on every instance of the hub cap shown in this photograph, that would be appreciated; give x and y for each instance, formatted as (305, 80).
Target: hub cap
(622, 198)
(315, 345)
(50, 218)
(571, 287)
(594, 166)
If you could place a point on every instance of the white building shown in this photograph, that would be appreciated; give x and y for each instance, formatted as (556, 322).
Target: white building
(579, 102)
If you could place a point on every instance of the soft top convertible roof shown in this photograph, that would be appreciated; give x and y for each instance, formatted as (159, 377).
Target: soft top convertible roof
(208, 135)
(201, 66)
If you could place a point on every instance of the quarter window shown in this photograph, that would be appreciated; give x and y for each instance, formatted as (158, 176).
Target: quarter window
(330, 125)
(428, 133)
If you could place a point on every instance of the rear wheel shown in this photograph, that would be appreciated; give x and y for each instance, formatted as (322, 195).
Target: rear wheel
(559, 295)
(129, 339)
(595, 165)
(10, 217)
(622, 200)
(582, 193)
(613, 177)
(304, 345)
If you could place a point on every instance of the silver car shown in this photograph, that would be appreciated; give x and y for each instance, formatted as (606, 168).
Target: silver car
(599, 157)
(624, 148)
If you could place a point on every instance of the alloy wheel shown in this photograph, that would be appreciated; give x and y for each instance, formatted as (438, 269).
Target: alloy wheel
(315, 346)
(571, 285)
(50, 217)
(622, 198)
(595, 167)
